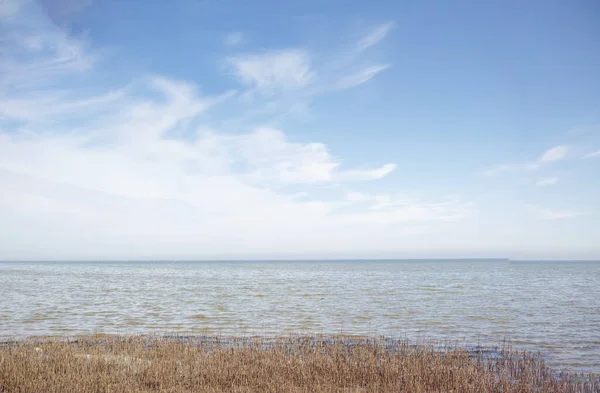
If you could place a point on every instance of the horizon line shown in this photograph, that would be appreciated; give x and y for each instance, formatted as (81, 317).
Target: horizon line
(205, 260)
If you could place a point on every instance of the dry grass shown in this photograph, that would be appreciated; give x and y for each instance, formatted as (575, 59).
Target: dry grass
(142, 364)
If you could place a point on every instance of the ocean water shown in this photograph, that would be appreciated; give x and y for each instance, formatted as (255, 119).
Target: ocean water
(553, 308)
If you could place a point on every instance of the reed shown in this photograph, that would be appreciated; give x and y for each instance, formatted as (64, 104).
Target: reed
(284, 364)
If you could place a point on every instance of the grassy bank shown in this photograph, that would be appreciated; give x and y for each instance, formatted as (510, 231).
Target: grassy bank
(146, 364)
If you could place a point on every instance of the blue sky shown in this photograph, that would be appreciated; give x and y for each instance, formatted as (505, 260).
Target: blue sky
(300, 129)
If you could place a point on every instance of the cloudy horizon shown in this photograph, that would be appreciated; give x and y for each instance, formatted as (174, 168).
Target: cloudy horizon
(192, 133)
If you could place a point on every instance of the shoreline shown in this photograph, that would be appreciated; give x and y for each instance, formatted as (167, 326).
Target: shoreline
(390, 343)
(370, 360)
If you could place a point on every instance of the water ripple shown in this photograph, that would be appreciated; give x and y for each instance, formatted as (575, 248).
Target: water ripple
(551, 309)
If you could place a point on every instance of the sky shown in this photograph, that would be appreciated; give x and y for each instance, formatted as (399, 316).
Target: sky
(205, 129)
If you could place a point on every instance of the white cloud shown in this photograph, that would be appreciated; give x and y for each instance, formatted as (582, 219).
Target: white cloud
(134, 172)
(360, 77)
(550, 156)
(35, 51)
(146, 162)
(282, 83)
(273, 158)
(556, 153)
(283, 69)
(130, 186)
(592, 154)
(366, 174)
(550, 181)
(375, 36)
(45, 106)
(234, 38)
(555, 214)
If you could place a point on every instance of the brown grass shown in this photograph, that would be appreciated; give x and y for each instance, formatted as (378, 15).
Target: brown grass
(142, 364)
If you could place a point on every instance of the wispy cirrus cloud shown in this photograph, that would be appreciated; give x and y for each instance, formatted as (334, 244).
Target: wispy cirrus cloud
(134, 171)
(552, 155)
(361, 76)
(137, 158)
(550, 181)
(367, 174)
(282, 82)
(270, 157)
(52, 106)
(283, 69)
(35, 50)
(376, 35)
(222, 188)
(594, 154)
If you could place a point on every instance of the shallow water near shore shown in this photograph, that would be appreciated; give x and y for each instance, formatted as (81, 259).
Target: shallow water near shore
(553, 308)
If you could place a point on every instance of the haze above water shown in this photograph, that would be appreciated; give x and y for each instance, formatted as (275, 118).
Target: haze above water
(550, 307)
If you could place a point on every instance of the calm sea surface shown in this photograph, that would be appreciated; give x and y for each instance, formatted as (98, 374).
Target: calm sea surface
(550, 307)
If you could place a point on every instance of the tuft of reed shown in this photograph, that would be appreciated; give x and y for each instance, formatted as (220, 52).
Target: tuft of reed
(284, 364)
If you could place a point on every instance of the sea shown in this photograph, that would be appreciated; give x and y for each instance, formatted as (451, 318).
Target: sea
(550, 308)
